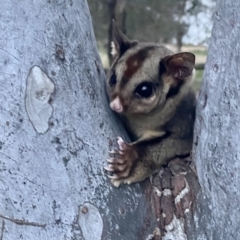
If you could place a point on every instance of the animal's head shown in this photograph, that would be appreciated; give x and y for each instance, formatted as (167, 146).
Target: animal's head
(144, 75)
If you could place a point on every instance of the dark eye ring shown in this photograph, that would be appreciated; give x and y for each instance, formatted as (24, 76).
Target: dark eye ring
(144, 90)
(113, 80)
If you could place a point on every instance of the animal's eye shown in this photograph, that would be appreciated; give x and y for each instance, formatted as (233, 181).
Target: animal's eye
(144, 90)
(113, 80)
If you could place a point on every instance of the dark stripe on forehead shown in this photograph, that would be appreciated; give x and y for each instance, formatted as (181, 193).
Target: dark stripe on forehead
(135, 62)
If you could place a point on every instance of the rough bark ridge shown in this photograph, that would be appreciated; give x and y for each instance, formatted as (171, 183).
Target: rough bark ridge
(56, 128)
(217, 149)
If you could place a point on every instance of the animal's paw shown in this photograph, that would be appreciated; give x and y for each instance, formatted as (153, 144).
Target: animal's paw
(121, 161)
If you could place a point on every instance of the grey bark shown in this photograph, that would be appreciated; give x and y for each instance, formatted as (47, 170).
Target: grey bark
(56, 130)
(217, 135)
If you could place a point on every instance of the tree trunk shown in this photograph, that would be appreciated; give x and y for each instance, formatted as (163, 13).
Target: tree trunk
(217, 135)
(118, 13)
(56, 130)
(180, 34)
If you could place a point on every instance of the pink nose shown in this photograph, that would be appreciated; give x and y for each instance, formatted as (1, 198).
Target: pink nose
(116, 105)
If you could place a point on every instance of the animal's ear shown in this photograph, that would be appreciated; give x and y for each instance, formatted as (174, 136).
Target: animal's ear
(179, 65)
(120, 42)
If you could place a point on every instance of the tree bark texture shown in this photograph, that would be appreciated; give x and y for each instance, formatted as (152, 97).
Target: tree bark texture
(217, 134)
(56, 131)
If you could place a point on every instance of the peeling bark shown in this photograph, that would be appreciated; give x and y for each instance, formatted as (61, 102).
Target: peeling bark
(38, 95)
(173, 199)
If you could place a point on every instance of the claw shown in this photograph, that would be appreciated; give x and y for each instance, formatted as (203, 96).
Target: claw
(108, 168)
(118, 161)
(110, 160)
(113, 177)
(119, 139)
(116, 183)
(121, 143)
(115, 153)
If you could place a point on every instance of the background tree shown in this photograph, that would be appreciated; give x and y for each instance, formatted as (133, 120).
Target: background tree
(144, 20)
(160, 21)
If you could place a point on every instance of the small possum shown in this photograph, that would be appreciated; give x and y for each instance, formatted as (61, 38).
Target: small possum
(150, 88)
